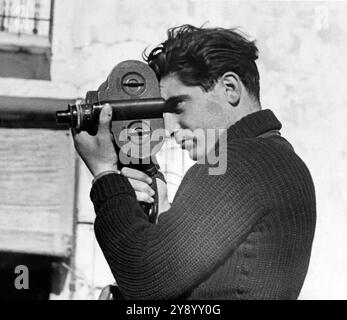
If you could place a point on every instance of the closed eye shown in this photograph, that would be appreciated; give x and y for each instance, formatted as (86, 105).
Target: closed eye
(173, 104)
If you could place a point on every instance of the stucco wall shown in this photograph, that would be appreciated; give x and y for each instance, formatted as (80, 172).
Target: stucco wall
(303, 75)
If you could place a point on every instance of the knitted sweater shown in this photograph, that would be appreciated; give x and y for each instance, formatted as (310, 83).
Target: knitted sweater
(246, 234)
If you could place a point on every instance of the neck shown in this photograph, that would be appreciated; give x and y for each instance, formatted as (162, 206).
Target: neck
(243, 109)
(254, 125)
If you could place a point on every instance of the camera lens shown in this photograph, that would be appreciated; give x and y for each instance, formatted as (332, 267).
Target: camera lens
(68, 116)
(63, 117)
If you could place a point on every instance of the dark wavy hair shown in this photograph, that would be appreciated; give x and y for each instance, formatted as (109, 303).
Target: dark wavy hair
(200, 56)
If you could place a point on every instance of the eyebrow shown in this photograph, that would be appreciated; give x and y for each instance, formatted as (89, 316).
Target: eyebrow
(171, 103)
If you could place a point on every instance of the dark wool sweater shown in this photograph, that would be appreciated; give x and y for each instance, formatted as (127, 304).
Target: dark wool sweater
(246, 234)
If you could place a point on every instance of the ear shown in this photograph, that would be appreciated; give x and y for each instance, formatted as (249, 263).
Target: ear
(232, 87)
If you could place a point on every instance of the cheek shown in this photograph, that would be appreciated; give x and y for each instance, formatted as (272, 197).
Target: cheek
(186, 118)
(204, 113)
(215, 107)
(215, 113)
(194, 121)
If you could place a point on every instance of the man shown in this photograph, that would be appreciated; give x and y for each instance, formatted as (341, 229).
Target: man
(243, 234)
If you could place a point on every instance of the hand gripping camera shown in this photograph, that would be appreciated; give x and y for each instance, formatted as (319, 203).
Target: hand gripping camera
(132, 90)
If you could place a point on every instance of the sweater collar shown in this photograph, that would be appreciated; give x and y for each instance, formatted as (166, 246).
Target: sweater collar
(254, 125)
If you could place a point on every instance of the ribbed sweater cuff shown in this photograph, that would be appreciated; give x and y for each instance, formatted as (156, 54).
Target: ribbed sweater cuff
(109, 186)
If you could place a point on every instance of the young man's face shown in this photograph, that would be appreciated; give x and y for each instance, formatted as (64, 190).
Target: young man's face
(192, 112)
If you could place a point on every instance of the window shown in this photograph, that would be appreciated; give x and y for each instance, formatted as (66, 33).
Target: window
(26, 17)
(25, 38)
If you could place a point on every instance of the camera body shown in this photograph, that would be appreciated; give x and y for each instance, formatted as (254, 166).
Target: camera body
(132, 90)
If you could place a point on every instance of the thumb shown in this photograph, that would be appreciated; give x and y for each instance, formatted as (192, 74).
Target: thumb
(105, 119)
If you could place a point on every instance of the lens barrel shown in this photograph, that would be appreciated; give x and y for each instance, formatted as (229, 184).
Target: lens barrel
(63, 117)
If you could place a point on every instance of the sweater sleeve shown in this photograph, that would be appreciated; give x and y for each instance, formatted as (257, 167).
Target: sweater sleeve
(209, 217)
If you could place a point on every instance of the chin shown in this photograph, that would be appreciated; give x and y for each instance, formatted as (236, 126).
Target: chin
(195, 155)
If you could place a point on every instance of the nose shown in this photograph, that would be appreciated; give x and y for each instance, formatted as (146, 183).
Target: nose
(171, 123)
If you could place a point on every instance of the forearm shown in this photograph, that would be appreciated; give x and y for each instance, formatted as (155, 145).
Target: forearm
(165, 260)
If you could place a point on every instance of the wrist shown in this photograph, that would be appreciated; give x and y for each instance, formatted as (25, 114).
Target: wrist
(105, 168)
(104, 173)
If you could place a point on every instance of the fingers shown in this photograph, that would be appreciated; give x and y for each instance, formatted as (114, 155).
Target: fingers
(141, 187)
(140, 182)
(105, 119)
(82, 139)
(143, 197)
(144, 193)
(136, 174)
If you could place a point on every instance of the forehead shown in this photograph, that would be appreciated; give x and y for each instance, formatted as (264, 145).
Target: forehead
(171, 86)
